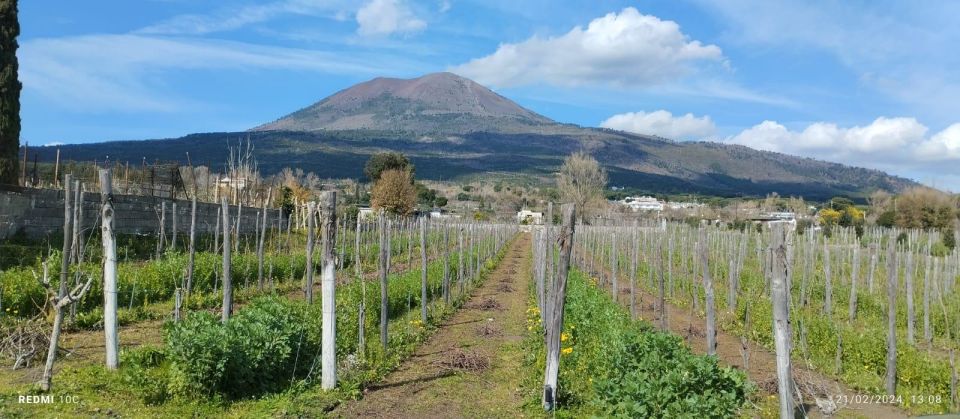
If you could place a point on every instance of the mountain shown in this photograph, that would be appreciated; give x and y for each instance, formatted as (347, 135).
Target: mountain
(437, 103)
(452, 127)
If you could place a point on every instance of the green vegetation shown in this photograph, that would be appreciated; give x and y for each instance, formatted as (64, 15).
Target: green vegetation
(612, 366)
(263, 362)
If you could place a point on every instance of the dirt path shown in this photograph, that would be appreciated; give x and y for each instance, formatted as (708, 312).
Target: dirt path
(762, 365)
(445, 376)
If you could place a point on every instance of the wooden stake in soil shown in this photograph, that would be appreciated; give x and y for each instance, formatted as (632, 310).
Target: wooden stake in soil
(708, 291)
(423, 270)
(328, 361)
(262, 242)
(227, 280)
(311, 227)
(382, 272)
(556, 296)
(614, 286)
(446, 265)
(781, 317)
(192, 245)
(891, 379)
(109, 271)
(828, 286)
(63, 298)
(854, 278)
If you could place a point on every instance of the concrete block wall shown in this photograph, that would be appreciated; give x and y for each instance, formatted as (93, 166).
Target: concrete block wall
(39, 213)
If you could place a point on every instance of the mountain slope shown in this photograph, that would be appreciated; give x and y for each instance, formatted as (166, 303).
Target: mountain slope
(451, 127)
(434, 103)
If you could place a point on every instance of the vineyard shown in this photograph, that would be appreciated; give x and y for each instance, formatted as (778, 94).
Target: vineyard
(308, 314)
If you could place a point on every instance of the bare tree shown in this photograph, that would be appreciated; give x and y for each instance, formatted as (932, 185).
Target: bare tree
(581, 180)
(394, 192)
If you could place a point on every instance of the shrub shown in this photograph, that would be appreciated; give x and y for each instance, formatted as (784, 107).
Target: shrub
(255, 352)
(614, 366)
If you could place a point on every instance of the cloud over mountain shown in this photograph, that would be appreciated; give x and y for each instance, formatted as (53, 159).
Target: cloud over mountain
(662, 123)
(627, 48)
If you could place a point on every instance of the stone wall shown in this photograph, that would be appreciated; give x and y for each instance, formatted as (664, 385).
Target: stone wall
(39, 213)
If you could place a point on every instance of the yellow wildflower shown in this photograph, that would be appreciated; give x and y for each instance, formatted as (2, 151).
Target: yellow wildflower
(564, 337)
(567, 351)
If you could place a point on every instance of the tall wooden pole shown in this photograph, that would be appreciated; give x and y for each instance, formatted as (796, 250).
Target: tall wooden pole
(556, 296)
(446, 264)
(64, 273)
(192, 246)
(382, 272)
(423, 270)
(328, 283)
(227, 280)
(311, 217)
(709, 293)
(891, 378)
(779, 270)
(109, 270)
(261, 242)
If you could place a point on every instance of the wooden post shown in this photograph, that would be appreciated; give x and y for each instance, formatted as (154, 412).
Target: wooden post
(633, 271)
(708, 292)
(227, 280)
(781, 317)
(64, 273)
(423, 270)
(328, 213)
(556, 297)
(854, 278)
(614, 286)
(109, 270)
(382, 272)
(911, 314)
(261, 242)
(927, 330)
(192, 246)
(446, 264)
(891, 378)
(162, 234)
(953, 380)
(175, 226)
(311, 227)
(357, 266)
(362, 308)
(828, 290)
(56, 170)
(662, 306)
(460, 274)
(177, 303)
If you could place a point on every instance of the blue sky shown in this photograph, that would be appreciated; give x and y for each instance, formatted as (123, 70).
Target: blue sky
(869, 83)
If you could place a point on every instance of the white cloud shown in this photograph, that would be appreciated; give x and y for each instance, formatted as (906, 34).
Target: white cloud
(945, 145)
(662, 123)
(885, 143)
(384, 17)
(903, 50)
(237, 17)
(98, 73)
(626, 48)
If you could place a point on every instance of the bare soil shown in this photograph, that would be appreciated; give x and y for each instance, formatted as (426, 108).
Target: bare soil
(469, 367)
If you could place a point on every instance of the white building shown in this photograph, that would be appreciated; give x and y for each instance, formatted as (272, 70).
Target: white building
(781, 215)
(440, 214)
(529, 217)
(642, 203)
(365, 213)
(683, 205)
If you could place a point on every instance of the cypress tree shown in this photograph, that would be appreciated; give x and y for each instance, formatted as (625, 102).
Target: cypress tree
(9, 92)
